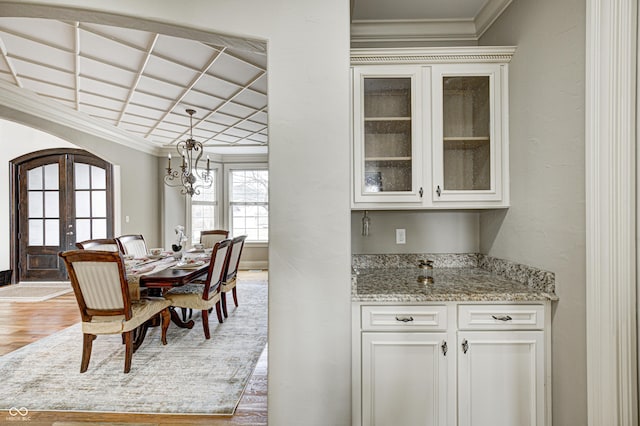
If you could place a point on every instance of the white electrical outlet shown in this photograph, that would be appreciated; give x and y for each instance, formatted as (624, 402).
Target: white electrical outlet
(401, 236)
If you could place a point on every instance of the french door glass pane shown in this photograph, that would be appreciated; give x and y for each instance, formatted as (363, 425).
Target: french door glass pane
(52, 204)
(99, 204)
(99, 229)
(82, 176)
(36, 205)
(83, 204)
(51, 232)
(83, 229)
(98, 178)
(51, 177)
(36, 232)
(34, 178)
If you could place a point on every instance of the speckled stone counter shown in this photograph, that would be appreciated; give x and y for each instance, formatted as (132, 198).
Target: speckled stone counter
(467, 278)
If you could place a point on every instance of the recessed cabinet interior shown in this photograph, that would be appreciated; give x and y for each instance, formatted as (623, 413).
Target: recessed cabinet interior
(430, 128)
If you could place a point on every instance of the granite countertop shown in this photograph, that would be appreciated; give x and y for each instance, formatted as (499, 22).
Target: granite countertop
(449, 284)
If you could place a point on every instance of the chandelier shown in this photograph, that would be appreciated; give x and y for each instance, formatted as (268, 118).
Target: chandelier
(189, 177)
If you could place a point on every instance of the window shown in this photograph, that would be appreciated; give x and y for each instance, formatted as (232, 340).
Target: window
(249, 203)
(204, 209)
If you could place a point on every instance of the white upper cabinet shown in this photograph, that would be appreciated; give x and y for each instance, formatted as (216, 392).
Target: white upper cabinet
(468, 132)
(387, 134)
(430, 128)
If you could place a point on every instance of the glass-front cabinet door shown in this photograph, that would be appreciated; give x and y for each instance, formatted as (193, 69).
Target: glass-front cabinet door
(467, 132)
(387, 142)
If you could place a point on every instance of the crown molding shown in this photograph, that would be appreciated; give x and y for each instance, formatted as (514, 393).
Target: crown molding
(434, 55)
(427, 30)
(488, 15)
(29, 103)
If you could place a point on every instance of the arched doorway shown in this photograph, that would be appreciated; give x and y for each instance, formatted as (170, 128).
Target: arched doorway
(58, 197)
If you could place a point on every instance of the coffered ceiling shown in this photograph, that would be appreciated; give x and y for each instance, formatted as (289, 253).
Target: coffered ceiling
(142, 82)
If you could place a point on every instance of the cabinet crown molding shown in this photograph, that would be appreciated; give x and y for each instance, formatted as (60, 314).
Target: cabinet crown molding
(432, 55)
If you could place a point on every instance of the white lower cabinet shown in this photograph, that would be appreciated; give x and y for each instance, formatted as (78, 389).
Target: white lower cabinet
(500, 378)
(466, 364)
(404, 380)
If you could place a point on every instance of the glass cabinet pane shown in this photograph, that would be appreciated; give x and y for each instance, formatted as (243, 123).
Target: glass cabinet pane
(387, 134)
(466, 112)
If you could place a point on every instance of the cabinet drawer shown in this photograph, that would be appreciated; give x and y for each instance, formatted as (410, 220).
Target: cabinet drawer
(404, 317)
(500, 317)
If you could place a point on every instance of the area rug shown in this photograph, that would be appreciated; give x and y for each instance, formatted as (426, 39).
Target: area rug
(190, 375)
(33, 292)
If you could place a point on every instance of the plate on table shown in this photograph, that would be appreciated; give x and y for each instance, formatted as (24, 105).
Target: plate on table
(156, 256)
(190, 264)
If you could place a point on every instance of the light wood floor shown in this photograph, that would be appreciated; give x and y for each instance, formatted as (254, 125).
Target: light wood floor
(23, 323)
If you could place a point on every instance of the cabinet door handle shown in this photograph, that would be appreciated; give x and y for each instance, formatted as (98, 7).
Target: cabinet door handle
(465, 346)
(404, 319)
(444, 347)
(501, 317)
(438, 190)
(421, 192)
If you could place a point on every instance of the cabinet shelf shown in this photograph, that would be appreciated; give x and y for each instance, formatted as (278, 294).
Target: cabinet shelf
(387, 159)
(465, 138)
(377, 119)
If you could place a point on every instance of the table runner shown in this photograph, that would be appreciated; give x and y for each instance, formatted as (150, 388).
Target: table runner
(137, 270)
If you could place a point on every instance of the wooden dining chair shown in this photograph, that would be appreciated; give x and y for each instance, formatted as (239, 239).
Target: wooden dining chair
(102, 292)
(133, 244)
(229, 281)
(104, 244)
(209, 238)
(206, 295)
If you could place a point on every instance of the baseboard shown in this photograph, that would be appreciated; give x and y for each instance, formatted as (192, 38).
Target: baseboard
(253, 264)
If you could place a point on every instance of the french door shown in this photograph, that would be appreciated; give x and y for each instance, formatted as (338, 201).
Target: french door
(59, 197)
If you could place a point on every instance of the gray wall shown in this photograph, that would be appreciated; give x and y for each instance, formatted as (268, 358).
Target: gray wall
(545, 226)
(426, 232)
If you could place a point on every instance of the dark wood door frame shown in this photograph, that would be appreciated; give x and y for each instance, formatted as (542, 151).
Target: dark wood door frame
(14, 188)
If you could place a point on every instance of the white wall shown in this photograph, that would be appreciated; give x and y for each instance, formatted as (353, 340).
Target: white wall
(426, 232)
(17, 140)
(309, 285)
(545, 226)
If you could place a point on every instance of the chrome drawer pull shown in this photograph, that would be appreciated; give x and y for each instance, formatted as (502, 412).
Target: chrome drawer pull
(404, 319)
(501, 318)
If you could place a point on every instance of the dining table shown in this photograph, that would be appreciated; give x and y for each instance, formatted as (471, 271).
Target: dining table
(156, 275)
